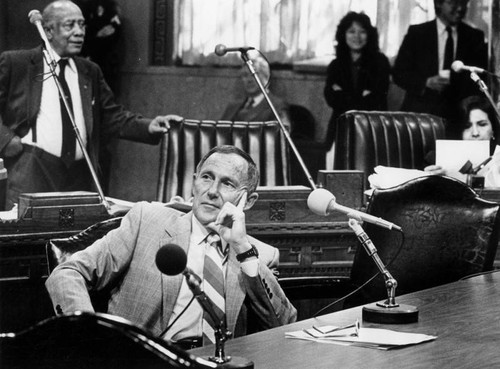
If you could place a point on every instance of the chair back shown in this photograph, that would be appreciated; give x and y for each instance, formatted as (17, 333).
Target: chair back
(86, 340)
(450, 232)
(366, 139)
(189, 140)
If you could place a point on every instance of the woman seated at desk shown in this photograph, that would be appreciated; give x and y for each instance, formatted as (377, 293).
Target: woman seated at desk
(478, 122)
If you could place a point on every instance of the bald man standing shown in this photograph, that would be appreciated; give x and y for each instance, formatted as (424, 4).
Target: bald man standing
(39, 154)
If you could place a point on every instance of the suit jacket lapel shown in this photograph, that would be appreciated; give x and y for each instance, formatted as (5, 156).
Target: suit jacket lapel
(433, 47)
(85, 84)
(177, 233)
(235, 293)
(35, 78)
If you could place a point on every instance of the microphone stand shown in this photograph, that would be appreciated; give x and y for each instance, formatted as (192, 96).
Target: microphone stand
(387, 312)
(249, 64)
(222, 334)
(484, 89)
(52, 66)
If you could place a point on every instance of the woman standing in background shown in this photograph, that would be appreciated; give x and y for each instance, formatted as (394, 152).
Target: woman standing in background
(359, 76)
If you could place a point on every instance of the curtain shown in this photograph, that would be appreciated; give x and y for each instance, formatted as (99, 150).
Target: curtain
(288, 31)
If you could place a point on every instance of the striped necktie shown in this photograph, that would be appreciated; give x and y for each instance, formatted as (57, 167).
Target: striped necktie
(213, 275)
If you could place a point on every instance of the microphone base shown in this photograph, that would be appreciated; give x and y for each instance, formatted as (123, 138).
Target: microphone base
(401, 314)
(235, 362)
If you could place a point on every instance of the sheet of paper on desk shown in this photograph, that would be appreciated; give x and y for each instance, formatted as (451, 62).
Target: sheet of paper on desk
(382, 339)
(453, 154)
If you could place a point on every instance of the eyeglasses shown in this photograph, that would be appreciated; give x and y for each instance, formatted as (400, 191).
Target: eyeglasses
(70, 24)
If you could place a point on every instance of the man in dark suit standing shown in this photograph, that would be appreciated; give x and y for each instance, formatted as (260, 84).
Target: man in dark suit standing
(422, 66)
(37, 139)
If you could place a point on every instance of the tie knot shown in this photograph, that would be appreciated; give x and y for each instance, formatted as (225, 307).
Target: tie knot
(448, 29)
(213, 239)
(62, 64)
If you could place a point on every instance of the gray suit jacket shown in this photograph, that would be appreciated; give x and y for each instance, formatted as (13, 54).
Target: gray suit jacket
(124, 261)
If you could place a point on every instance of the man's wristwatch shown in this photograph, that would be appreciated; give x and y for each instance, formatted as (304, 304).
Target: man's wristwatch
(248, 254)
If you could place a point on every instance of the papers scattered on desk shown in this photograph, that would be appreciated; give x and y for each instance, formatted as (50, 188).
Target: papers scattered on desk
(381, 339)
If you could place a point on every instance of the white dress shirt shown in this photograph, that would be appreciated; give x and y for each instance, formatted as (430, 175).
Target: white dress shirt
(442, 37)
(49, 122)
(189, 323)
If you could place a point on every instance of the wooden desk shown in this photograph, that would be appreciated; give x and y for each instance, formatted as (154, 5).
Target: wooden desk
(463, 315)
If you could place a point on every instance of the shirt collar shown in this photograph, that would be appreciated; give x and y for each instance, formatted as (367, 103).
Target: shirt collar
(441, 27)
(199, 233)
(71, 61)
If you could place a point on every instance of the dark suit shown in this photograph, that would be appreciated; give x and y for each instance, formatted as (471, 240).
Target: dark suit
(21, 76)
(418, 60)
(124, 261)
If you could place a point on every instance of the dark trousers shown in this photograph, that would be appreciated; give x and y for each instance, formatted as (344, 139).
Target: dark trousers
(35, 170)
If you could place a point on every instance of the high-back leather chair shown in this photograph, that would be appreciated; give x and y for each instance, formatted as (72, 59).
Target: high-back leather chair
(450, 232)
(366, 139)
(189, 140)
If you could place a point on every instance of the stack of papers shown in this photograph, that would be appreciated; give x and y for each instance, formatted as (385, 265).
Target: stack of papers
(385, 177)
(382, 339)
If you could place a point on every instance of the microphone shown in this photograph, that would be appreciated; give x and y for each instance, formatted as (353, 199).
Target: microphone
(322, 202)
(36, 19)
(222, 50)
(458, 66)
(172, 260)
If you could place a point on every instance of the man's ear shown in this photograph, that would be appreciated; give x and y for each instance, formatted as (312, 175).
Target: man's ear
(48, 33)
(251, 200)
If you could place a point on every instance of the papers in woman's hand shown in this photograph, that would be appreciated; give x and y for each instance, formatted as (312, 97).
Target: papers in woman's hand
(382, 339)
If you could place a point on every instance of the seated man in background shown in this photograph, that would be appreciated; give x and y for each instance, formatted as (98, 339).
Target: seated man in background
(124, 260)
(254, 107)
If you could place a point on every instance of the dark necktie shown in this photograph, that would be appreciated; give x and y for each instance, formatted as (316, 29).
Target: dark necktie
(448, 50)
(248, 103)
(213, 275)
(68, 134)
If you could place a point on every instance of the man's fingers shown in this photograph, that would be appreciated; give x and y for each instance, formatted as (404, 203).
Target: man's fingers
(243, 201)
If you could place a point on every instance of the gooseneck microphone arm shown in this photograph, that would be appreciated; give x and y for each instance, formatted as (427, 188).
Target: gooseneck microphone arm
(249, 64)
(172, 260)
(36, 19)
(388, 311)
(221, 332)
(484, 89)
(371, 250)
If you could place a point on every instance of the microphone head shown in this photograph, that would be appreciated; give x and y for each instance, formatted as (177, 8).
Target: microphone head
(34, 16)
(220, 50)
(171, 259)
(319, 201)
(457, 66)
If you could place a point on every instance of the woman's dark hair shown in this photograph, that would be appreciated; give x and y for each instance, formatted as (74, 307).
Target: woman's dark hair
(481, 103)
(364, 21)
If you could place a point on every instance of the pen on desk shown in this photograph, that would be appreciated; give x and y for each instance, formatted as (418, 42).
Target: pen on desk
(482, 165)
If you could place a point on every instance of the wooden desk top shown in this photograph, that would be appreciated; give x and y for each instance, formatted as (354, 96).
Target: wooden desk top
(465, 316)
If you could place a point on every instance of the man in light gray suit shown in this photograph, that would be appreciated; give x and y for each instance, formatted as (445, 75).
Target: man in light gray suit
(124, 260)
